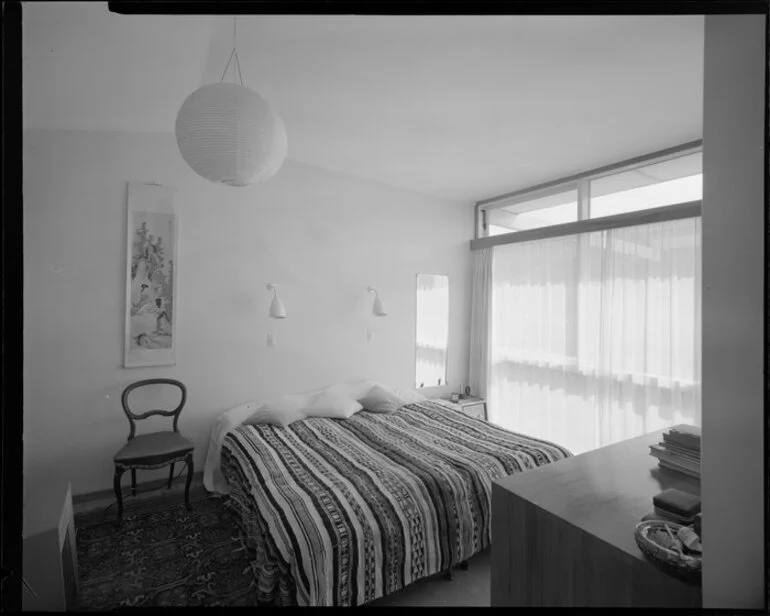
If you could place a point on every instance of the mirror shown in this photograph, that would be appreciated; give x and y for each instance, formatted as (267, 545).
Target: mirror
(432, 335)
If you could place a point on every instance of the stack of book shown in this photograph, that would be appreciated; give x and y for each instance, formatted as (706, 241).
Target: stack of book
(679, 450)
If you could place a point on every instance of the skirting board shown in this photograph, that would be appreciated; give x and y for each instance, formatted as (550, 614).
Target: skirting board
(140, 487)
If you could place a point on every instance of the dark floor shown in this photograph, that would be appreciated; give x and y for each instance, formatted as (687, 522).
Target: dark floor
(468, 588)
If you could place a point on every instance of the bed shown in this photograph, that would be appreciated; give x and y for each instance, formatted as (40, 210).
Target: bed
(342, 512)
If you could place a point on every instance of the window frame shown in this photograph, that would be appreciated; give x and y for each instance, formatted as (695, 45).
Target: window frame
(586, 224)
(580, 182)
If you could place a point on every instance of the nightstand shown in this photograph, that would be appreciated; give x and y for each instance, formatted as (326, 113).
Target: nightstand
(475, 407)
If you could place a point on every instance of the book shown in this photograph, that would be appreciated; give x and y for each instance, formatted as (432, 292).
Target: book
(684, 435)
(678, 450)
(686, 430)
(679, 469)
(695, 470)
(684, 443)
(668, 450)
(665, 454)
(662, 454)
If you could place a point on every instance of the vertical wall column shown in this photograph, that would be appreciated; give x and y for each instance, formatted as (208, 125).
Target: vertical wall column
(733, 483)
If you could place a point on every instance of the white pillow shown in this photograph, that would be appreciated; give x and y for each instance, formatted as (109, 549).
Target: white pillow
(331, 404)
(381, 400)
(280, 413)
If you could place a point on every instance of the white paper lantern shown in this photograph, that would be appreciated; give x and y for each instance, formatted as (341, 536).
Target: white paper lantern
(229, 134)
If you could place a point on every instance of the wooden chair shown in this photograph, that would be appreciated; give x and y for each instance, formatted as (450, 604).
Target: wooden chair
(153, 450)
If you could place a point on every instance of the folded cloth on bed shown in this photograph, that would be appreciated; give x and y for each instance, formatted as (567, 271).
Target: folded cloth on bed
(344, 512)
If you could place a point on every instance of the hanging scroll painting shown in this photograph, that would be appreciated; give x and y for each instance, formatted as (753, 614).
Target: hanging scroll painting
(151, 306)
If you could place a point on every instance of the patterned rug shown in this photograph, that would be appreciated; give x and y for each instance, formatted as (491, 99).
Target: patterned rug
(163, 555)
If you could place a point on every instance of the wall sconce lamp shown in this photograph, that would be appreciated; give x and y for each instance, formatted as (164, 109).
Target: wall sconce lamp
(277, 311)
(378, 309)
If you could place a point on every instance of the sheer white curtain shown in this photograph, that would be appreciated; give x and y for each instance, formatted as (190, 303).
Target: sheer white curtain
(481, 292)
(595, 338)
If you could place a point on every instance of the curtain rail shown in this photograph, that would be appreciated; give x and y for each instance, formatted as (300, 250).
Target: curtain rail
(691, 209)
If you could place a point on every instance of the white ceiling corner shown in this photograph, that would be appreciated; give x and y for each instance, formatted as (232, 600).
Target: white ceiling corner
(462, 107)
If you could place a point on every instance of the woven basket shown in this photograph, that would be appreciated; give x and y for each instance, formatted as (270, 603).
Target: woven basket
(654, 538)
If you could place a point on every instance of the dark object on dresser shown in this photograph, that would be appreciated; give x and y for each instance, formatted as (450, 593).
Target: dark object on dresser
(676, 505)
(664, 544)
(156, 449)
(697, 526)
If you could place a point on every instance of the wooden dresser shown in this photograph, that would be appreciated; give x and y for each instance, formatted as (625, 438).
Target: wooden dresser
(563, 534)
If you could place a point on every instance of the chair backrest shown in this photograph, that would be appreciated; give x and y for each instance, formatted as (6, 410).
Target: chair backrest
(134, 417)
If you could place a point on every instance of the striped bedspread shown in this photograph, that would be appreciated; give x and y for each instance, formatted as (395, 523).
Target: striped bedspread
(342, 512)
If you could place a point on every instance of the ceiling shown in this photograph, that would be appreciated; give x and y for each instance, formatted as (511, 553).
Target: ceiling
(461, 107)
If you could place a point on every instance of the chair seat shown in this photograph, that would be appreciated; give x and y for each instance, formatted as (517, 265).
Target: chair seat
(154, 448)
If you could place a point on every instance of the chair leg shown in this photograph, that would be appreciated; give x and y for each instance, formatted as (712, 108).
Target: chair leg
(170, 475)
(189, 462)
(118, 495)
(133, 481)
(449, 574)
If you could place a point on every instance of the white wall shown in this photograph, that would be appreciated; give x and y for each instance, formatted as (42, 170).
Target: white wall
(322, 237)
(733, 482)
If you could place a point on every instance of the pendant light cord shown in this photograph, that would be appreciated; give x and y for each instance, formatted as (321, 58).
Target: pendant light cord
(233, 53)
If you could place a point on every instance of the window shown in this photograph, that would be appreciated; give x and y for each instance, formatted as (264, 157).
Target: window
(660, 180)
(497, 230)
(554, 209)
(678, 180)
(595, 337)
(595, 326)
